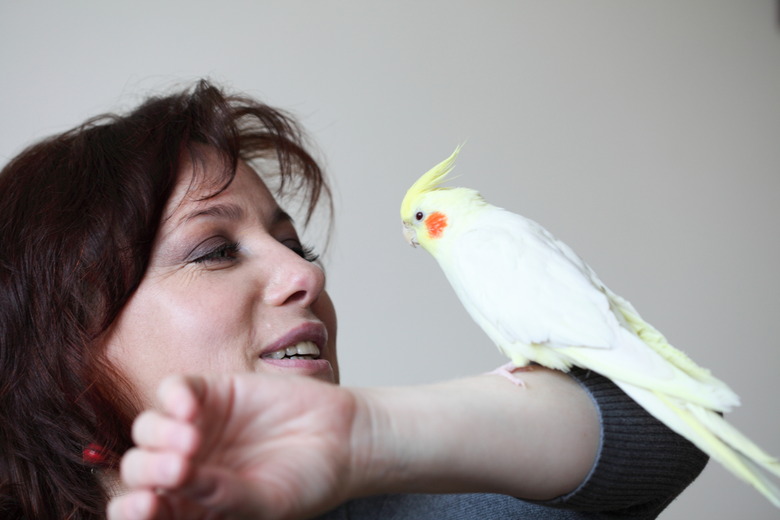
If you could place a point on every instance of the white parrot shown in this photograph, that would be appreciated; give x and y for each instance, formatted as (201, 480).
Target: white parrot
(539, 302)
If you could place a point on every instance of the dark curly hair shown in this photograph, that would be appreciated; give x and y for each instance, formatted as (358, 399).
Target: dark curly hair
(79, 213)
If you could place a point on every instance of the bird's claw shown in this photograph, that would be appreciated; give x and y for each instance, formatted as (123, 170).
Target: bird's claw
(507, 370)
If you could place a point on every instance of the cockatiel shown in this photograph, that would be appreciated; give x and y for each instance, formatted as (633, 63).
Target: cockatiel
(539, 302)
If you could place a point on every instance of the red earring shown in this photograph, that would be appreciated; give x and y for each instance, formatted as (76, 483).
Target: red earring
(94, 454)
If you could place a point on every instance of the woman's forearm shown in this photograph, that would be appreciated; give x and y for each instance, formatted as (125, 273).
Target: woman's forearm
(480, 433)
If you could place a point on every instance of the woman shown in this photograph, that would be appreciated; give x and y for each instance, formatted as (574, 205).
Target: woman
(143, 246)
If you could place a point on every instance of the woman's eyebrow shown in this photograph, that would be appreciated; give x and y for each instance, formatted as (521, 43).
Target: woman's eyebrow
(226, 211)
(233, 212)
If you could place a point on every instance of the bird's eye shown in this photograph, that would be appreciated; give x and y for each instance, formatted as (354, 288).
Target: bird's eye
(419, 215)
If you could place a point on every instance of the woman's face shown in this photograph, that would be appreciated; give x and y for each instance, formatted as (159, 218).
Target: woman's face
(228, 289)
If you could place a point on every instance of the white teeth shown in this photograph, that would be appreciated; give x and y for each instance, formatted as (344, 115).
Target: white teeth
(304, 348)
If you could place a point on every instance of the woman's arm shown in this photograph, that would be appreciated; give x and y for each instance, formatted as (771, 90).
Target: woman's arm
(641, 467)
(289, 447)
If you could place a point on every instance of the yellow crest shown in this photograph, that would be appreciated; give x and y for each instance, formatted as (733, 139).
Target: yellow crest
(429, 181)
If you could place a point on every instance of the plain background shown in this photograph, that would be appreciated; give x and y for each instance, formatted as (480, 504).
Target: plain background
(644, 134)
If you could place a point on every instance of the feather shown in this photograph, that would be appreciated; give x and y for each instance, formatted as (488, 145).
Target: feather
(429, 181)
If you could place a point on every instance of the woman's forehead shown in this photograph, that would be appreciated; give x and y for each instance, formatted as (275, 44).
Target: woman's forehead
(201, 186)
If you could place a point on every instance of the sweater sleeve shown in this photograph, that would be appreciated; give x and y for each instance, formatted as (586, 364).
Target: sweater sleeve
(641, 466)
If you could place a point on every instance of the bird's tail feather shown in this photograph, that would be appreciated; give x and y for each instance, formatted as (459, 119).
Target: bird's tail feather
(713, 435)
(733, 437)
(633, 362)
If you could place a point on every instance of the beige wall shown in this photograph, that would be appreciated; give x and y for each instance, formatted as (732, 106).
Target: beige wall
(644, 134)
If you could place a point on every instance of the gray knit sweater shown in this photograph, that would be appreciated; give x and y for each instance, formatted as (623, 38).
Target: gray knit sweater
(641, 467)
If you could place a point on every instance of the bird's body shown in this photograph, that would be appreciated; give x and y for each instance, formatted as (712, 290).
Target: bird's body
(541, 303)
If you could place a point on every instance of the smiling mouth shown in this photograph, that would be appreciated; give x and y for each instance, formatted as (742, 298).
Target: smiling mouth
(301, 350)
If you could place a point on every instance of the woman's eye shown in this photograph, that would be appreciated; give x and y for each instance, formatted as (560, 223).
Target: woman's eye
(224, 252)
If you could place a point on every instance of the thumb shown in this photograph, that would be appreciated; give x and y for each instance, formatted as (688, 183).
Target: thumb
(182, 396)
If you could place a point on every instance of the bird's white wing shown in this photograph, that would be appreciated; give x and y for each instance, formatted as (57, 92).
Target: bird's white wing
(539, 301)
(528, 287)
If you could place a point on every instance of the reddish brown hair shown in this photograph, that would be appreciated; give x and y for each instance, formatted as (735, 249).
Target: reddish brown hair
(79, 213)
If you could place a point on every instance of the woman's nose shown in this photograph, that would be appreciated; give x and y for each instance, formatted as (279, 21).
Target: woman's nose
(295, 281)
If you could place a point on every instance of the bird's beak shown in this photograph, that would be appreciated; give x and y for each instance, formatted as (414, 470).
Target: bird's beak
(410, 235)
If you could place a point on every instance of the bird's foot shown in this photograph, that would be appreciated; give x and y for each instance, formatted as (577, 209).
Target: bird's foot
(508, 371)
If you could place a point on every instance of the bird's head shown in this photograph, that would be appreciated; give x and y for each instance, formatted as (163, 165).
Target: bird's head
(429, 210)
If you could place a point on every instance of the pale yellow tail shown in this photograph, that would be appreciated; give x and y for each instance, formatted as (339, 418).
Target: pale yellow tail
(714, 436)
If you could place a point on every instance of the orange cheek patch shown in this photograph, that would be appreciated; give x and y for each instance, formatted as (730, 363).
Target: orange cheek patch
(435, 224)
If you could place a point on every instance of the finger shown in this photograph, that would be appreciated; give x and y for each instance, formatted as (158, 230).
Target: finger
(149, 469)
(152, 430)
(136, 505)
(181, 396)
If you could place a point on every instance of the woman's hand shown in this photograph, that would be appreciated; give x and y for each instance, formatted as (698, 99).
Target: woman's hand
(239, 446)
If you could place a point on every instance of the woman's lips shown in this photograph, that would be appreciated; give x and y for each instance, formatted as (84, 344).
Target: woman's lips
(308, 339)
(301, 349)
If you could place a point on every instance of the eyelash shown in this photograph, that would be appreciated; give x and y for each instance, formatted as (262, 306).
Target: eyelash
(305, 252)
(226, 251)
(229, 251)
